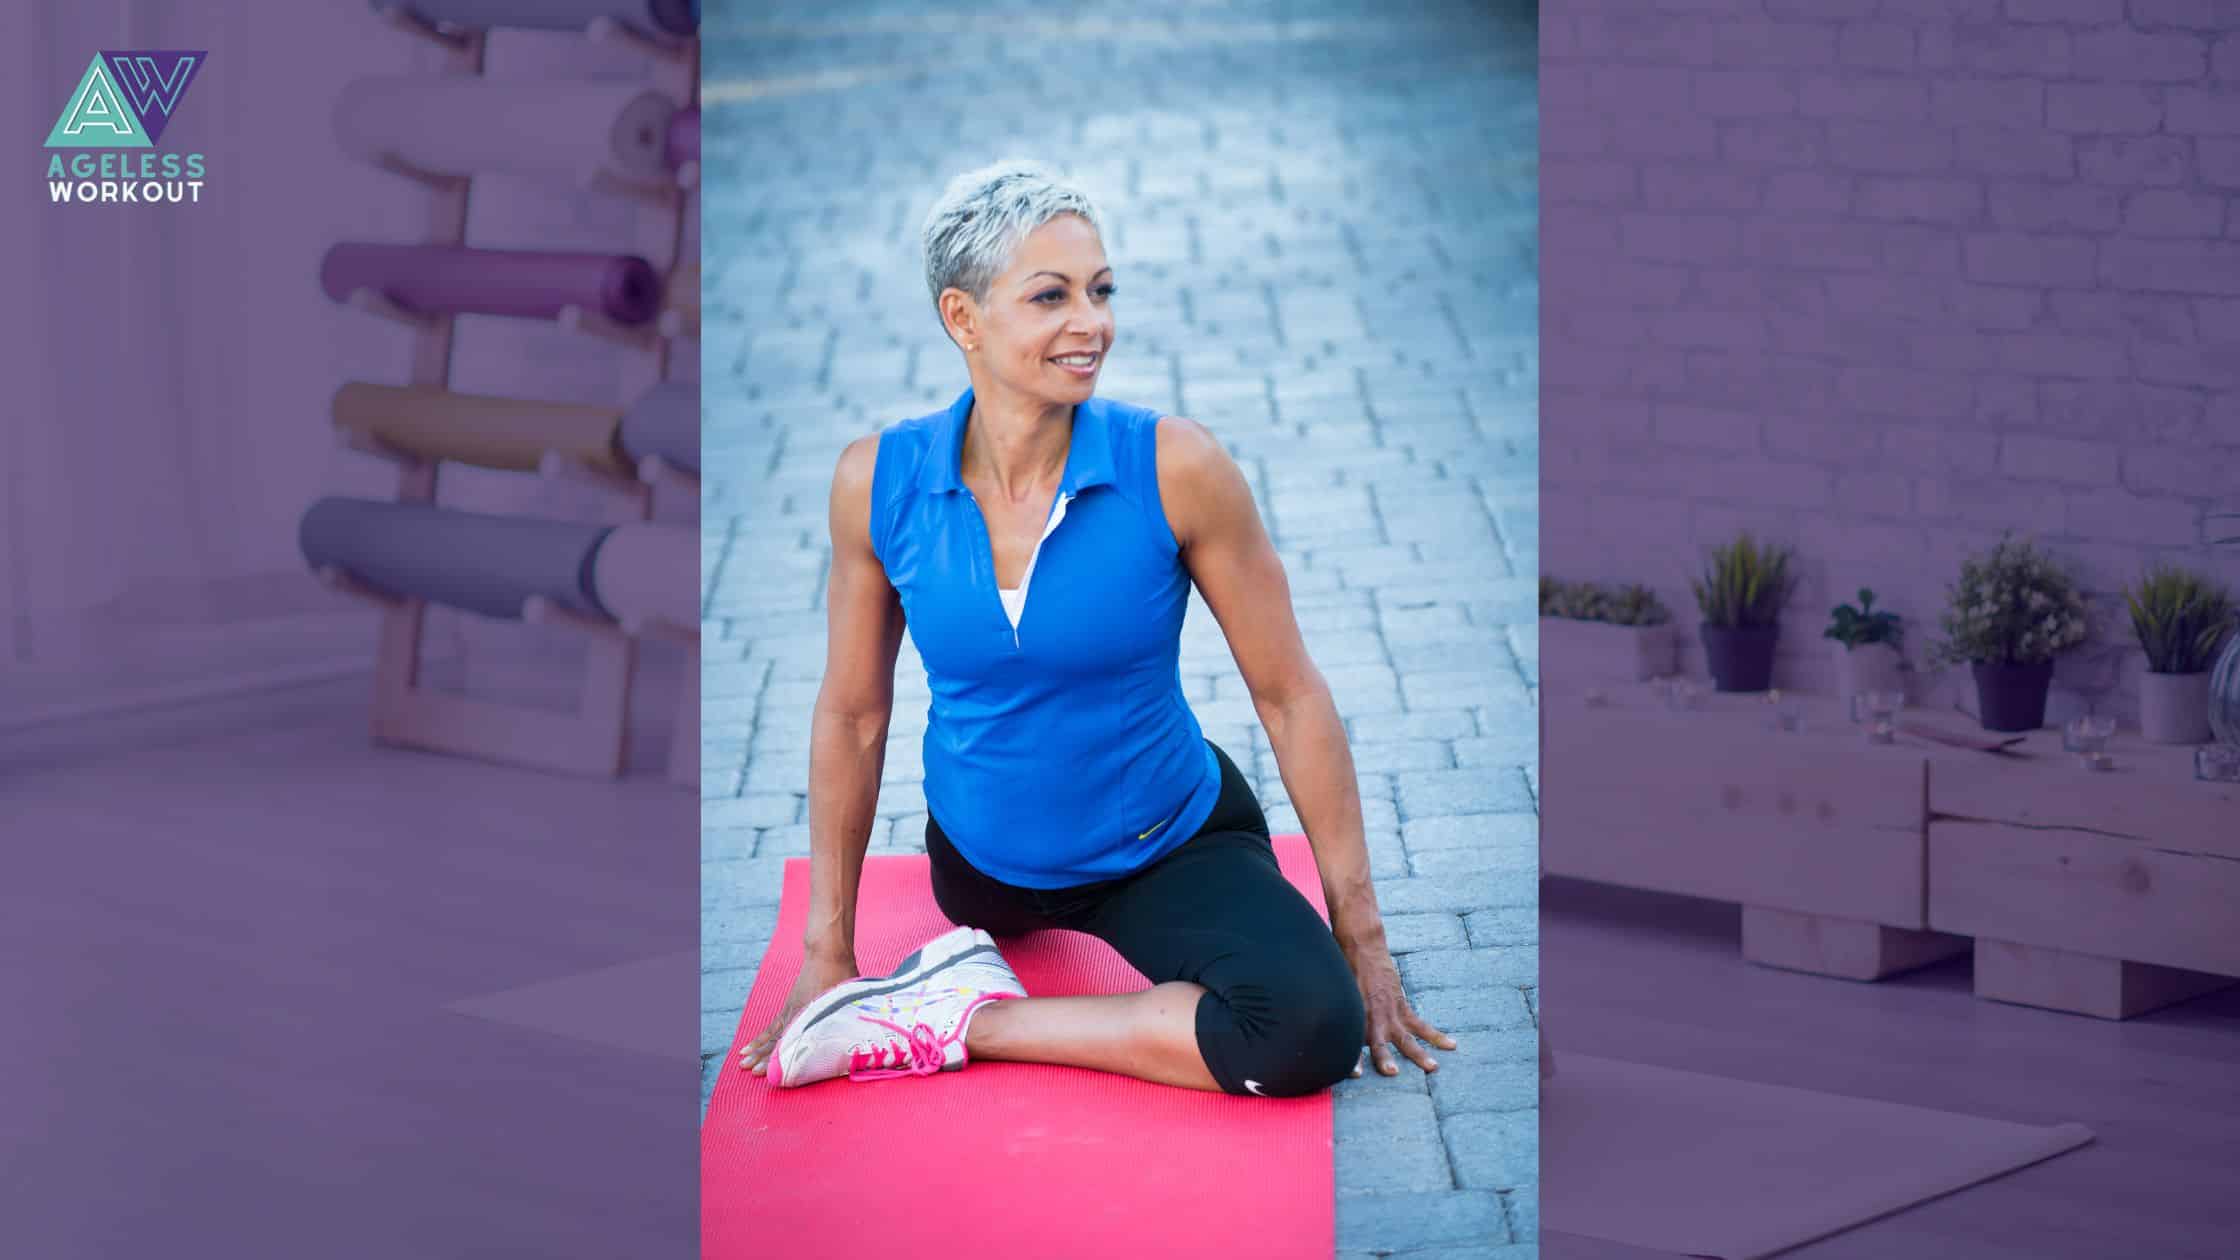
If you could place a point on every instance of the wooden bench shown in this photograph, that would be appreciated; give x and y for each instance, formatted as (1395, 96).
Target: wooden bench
(2107, 893)
(1820, 836)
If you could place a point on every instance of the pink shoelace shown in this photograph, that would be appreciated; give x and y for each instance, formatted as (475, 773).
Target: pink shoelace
(915, 1051)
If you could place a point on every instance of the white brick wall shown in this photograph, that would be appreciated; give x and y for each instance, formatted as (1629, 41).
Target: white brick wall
(1883, 278)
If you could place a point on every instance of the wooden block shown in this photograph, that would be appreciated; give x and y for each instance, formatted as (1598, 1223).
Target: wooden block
(1847, 948)
(2099, 895)
(2150, 795)
(2110, 988)
(1578, 653)
(1714, 803)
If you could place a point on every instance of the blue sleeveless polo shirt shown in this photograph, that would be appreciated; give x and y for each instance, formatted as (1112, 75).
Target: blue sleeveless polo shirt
(1061, 752)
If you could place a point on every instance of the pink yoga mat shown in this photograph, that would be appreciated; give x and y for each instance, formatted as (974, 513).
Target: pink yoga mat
(1002, 1161)
(527, 284)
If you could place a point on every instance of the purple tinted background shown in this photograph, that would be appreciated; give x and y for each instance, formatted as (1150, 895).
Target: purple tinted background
(266, 988)
(1882, 279)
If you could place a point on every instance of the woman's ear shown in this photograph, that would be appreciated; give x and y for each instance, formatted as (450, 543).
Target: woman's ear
(960, 315)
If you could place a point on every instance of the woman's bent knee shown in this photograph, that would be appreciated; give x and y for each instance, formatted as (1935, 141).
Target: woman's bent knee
(1295, 1041)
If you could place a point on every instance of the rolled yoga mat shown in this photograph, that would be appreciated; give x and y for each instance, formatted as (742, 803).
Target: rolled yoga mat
(508, 433)
(1709, 1166)
(646, 571)
(654, 17)
(682, 144)
(1033, 1160)
(680, 301)
(528, 284)
(467, 560)
(559, 129)
(665, 422)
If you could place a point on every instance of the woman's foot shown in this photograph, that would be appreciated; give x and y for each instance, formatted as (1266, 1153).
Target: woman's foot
(909, 1023)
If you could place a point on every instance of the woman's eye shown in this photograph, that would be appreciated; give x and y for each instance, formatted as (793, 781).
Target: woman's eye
(1050, 295)
(1107, 290)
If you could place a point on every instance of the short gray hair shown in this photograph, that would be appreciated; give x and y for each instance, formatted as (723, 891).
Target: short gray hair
(983, 215)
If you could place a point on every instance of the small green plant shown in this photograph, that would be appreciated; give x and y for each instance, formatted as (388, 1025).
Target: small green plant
(2180, 619)
(1633, 605)
(1580, 601)
(1637, 605)
(1745, 584)
(1859, 626)
(2013, 605)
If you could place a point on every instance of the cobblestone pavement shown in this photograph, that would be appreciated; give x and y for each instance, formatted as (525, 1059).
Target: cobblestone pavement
(1323, 223)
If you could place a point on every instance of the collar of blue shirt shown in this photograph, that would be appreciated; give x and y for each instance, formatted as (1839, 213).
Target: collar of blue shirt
(1088, 458)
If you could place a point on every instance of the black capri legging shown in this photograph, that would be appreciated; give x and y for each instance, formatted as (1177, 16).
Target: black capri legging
(1281, 1015)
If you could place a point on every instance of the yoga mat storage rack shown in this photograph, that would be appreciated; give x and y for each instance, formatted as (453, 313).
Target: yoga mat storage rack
(593, 739)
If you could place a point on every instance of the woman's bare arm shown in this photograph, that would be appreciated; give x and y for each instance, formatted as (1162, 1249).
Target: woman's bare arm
(855, 705)
(1230, 557)
(1210, 509)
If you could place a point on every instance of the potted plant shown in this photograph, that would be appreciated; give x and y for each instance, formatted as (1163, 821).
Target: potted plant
(1740, 594)
(1592, 633)
(1868, 641)
(2180, 619)
(2012, 611)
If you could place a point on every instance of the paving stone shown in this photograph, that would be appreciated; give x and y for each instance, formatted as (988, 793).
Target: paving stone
(1414, 754)
(727, 887)
(1500, 861)
(1506, 833)
(1469, 890)
(768, 809)
(1392, 1143)
(1398, 1222)
(1460, 1010)
(1512, 739)
(1465, 968)
(1457, 725)
(718, 844)
(1428, 792)
(1492, 1071)
(1506, 925)
(1521, 1205)
(787, 841)
(1407, 933)
(1494, 684)
(1494, 1149)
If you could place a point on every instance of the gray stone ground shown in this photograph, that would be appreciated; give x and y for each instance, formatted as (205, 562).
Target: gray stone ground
(1324, 232)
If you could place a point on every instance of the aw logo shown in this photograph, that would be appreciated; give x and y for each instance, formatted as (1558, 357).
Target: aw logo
(125, 100)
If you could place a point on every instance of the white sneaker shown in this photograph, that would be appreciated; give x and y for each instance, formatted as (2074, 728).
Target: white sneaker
(909, 1023)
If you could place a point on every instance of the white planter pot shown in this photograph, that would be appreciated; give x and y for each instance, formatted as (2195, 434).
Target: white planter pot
(1869, 667)
(2174, 708)
(1598, 652)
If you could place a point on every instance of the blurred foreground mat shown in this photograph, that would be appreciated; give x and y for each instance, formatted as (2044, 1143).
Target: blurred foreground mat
(1708, 1166)
(1002, 1161)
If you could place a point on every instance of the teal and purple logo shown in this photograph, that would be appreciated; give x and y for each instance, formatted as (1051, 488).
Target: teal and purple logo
(125, 100)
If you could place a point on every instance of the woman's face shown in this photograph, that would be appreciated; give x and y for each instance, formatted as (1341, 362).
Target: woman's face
(1047, 324)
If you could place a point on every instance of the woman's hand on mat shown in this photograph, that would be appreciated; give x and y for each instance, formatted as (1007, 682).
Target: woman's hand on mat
(1392, 1022)
(819, 973)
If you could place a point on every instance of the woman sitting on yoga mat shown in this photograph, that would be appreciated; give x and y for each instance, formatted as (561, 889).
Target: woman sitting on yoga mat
(1041, 544)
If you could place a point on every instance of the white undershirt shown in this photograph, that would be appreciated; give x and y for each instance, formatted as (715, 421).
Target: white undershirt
(1015, 601)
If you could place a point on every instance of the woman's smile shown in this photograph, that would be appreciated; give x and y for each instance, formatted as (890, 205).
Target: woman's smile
(1081, 363)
